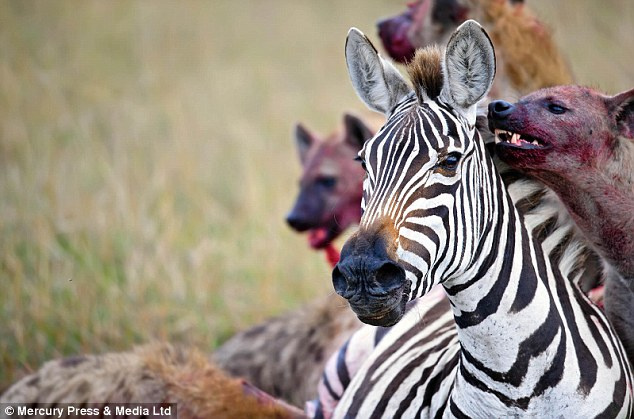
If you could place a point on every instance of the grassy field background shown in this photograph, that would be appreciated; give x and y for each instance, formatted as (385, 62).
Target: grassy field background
(146, 159)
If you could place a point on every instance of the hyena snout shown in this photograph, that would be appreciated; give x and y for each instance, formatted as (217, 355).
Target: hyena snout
(393, 33)
(500, 109)
(298, 221)
(307, 211)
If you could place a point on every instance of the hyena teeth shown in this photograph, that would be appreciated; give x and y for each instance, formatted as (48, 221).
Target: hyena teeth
(503, 136)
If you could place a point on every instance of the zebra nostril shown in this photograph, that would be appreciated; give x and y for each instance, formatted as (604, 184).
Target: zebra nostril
(341, 283)
(390, 276)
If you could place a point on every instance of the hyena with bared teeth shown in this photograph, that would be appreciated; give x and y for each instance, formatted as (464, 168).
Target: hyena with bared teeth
(580, 143)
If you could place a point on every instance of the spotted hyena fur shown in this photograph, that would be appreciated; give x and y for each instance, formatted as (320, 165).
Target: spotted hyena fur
(285, 356)
(156, 374)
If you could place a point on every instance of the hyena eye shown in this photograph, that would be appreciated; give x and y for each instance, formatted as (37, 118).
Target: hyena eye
(450, 161)
(360, 159)
(556, 109)
(327, 181)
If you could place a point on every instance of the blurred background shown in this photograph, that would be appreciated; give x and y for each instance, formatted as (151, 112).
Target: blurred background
(147, 163)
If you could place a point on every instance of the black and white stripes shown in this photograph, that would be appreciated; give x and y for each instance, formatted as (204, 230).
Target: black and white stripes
(437, 212)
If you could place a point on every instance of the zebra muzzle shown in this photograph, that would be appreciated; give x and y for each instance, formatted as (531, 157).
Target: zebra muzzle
(376, 288)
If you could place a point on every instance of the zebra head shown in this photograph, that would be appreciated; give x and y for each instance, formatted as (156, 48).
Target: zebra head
(423, 173)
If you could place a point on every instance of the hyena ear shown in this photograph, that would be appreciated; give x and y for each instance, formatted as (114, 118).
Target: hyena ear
(303, 140)
(357, 132)
(622, 107)
(469, 68)
(377, 82)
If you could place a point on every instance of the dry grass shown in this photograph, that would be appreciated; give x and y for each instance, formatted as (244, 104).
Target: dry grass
(146, 162)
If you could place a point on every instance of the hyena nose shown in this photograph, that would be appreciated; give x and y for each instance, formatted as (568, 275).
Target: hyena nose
(500, 109)
(297, 222)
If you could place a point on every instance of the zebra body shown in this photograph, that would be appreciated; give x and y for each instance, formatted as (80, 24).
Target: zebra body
(381, 368)
(429, 321)
(437, 212)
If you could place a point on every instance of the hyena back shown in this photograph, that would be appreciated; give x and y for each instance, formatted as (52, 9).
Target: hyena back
(285, 356)
(155, 374)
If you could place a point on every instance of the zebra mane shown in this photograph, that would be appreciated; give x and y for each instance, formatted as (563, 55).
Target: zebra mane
(425, 72)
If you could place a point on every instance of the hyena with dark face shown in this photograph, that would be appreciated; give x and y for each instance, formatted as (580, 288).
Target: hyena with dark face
(285, 356)
(156, 374)
(580, 143)
(329, 199)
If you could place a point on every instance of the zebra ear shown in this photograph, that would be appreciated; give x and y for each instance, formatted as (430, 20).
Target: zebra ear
(377, 82)
(469, 68)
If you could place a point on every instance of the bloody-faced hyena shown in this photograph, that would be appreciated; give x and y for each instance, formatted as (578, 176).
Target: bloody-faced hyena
(580, 143)
(329, 199)
(527, 56)
(285, 356)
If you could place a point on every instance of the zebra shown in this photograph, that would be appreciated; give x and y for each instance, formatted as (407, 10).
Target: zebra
(436, 212)
(427, 331)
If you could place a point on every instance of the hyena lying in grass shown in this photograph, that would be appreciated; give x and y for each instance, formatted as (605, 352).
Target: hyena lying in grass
(156, 374)
(284, 356)
(580, 143)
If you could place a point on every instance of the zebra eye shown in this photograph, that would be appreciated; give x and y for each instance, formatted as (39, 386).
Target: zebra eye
(360, 159)
(450, 162)
(556, 109)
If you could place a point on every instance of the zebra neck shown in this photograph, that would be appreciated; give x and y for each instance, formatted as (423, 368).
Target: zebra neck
(520, 320)
(504, 304)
